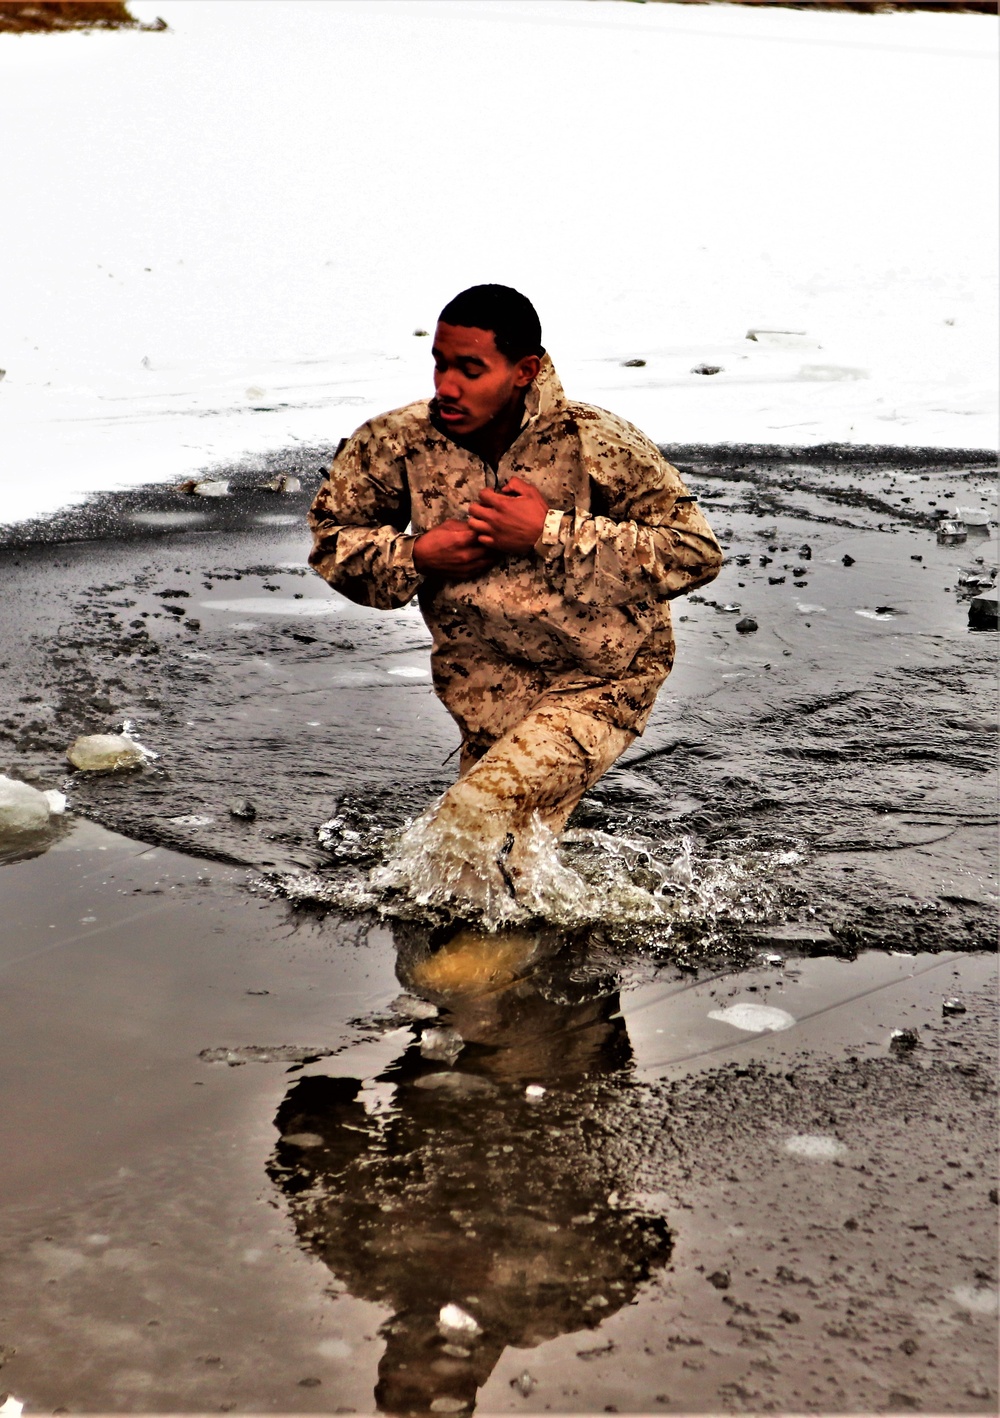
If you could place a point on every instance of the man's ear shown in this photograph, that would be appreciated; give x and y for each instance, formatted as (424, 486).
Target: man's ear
(526, 370)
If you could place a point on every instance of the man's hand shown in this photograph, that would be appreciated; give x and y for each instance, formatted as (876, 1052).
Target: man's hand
(510, 521)
(452, 551)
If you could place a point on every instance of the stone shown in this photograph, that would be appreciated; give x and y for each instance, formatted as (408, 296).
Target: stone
(747, 625)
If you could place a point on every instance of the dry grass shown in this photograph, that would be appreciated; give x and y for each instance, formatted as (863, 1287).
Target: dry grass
(49, 16)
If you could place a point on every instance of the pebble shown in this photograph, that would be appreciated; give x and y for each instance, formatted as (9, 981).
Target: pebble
(953, 1006)
(747, 625)
(242, 808)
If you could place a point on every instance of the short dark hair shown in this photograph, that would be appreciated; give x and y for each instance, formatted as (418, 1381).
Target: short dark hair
(509, 314)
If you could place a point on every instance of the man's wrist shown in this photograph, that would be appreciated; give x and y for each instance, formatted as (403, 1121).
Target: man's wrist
(549, 544)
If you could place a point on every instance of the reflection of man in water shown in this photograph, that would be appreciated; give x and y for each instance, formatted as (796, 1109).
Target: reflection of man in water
(544, 539)
(462, 1190)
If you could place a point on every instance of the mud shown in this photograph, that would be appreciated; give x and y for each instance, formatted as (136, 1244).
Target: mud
(252, 1149)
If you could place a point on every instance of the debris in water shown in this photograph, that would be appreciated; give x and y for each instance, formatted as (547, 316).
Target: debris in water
(746, 625)
(27, 809)
(973, 516)
(260, 1053)
(106, 753)
(205, 487)
(754, 1018)
(454, 1321)
(951, 532)
(458, 1084)
(525, 1384)
(242, 808)
(983, 611)
(953, 1006)
(814, 1147)
(409, 1007)
(442, 1045)
(284, 482)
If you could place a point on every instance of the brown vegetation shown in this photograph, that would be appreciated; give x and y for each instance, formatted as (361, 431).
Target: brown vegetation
(45, 16)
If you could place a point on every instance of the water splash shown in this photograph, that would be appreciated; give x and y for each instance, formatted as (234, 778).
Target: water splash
(442, 870)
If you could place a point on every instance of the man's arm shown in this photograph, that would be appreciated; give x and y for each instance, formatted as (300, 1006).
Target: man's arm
(358, 521)
(650, 539)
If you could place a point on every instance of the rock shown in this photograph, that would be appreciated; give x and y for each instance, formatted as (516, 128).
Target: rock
(106, 753)
(747, 625)
(284, 482)
(242, 808)
(720, 1279)
(847, 560)
(953, 1006)
(26, 809)
(707, 369)
(904, 1041)
(421, 332)
(983, 611)
(633, 363)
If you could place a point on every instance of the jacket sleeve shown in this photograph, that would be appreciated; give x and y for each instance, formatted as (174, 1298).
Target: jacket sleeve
(359, 520)
(648, 541)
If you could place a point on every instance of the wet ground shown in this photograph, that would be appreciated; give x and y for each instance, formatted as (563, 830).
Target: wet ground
(252, 1150)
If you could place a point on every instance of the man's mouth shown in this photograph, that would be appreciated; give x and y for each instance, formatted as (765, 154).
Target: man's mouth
(450, 413)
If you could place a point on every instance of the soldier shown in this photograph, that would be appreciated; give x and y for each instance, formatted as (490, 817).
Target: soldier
(544, 539)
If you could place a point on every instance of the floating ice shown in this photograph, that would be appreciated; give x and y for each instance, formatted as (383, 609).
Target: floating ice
(104, 753)
(275, 605)
(191, 820)
(441, 1045)
(409, 1007)
(754, 1018)
(973, 516)
(11, 1407)
(211, 487)
(978, 1299)
(814, 1147)
(534, 1090)
(26, 809)
(454, 1320)
(167, 519)
(877, 614)
(410, 672)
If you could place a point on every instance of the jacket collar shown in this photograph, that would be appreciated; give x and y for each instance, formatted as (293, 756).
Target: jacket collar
(545, 397)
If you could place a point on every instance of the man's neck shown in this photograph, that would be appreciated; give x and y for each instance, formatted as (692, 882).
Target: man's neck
(492, 440)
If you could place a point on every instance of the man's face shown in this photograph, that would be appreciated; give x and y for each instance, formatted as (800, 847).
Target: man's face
(473, 381)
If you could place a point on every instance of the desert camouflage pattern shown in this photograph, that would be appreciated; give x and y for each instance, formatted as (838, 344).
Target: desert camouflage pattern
(584, 616)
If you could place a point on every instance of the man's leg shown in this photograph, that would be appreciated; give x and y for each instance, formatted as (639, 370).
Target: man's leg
(490, 840)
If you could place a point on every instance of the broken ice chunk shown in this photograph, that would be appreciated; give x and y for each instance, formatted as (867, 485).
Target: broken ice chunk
(442, 1045)
(454, 1321)
(23, 808)
(754, 1018)
(104, 753)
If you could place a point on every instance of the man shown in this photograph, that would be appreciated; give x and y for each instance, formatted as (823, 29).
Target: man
(544, 539)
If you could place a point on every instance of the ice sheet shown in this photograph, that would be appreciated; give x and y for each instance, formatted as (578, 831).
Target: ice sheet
(222, 237)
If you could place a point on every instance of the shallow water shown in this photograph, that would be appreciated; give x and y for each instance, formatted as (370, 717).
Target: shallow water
(181, 1234)
(266, 1116)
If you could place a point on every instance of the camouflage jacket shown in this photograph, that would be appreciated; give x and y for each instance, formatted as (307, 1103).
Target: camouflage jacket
(622, 538)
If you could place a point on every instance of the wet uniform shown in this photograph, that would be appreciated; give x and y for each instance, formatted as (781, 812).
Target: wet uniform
(549, 662)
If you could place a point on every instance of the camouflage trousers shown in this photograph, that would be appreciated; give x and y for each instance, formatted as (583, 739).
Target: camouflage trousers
(527, 759)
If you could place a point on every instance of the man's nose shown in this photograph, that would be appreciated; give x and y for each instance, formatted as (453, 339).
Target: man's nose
(449, 387)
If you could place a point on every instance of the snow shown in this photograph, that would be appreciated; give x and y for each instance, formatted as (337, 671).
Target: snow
(221, 238)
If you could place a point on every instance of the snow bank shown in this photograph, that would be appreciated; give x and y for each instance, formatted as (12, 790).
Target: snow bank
(224, 236)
